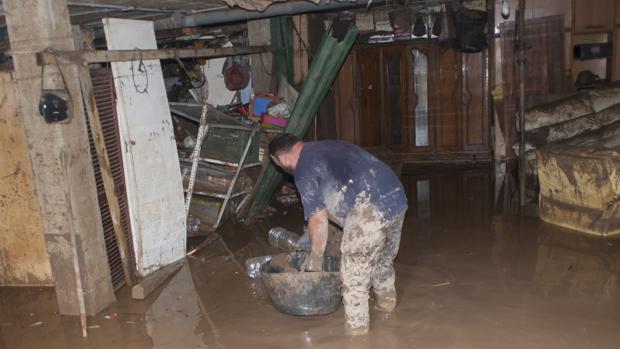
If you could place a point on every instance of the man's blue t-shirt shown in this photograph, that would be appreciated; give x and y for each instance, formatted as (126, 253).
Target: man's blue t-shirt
(335, 175)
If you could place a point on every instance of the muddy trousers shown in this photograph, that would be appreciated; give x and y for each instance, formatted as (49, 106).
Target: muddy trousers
(369, 246)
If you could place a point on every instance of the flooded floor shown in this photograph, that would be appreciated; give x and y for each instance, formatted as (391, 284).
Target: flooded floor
(465, 280)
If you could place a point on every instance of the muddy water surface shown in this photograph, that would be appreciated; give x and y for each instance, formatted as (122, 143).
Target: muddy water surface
(464, 278)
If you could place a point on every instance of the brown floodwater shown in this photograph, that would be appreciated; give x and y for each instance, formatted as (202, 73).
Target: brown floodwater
(465, 279)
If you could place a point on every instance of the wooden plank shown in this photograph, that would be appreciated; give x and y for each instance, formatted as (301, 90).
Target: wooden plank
(23, 252)
(300, 48)
(106, 171)
(259, 33)
(155, 191)
(79, 289)
(147, 285)
(50, 57)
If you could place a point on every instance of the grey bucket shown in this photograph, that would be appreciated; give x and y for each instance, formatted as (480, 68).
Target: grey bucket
(303, 293)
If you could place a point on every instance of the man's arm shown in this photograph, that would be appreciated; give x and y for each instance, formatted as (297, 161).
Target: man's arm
(317, 227)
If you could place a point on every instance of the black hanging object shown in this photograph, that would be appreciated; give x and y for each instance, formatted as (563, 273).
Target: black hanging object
(53, 106)
(470, 29)
(419, 27)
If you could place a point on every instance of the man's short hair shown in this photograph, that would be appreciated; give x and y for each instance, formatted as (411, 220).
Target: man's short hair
(282, 143)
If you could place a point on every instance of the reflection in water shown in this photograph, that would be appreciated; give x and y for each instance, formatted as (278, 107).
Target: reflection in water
(464, 281)
(578, 267)
(450, 212)
(173, 319)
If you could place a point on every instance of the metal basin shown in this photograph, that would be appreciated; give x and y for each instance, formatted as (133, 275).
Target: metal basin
(302, 293)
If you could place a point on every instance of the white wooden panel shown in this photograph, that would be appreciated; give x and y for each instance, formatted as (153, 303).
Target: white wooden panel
(150, 158)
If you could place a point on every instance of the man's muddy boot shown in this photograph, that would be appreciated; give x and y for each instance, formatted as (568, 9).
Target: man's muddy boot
(385, 300)
(355, 331)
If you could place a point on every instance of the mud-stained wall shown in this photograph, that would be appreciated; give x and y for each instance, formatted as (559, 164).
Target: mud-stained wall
(23, 253)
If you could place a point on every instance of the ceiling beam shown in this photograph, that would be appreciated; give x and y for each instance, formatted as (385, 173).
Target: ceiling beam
(49, 57)
(236, 14)
(93, 12)
(121, 7)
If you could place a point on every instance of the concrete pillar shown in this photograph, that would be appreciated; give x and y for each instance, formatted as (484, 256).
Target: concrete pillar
(60, 156)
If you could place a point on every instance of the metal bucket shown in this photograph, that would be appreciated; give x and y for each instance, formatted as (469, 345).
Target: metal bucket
(302, 293)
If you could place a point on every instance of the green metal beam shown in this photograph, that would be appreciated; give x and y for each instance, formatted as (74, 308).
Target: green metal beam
(323, 71)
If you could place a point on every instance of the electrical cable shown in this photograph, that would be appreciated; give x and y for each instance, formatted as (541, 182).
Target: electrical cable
(141, 69)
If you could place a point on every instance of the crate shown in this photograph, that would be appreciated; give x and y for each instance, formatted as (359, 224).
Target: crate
(227, 144)
(579, 188)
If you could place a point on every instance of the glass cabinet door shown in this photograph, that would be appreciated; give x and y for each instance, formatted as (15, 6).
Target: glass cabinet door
(420, 92)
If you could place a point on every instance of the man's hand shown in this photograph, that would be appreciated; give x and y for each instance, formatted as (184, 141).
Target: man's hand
(317, 227)
(313, 262)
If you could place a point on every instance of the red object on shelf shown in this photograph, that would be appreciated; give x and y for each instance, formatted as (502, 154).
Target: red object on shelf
(275, 121)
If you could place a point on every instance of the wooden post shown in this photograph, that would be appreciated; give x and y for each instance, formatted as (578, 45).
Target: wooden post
(33, 26)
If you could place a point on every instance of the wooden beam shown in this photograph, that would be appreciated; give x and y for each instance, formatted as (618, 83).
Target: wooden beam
(33, 26)
(50, 57)
(259, 33)
(106, 170)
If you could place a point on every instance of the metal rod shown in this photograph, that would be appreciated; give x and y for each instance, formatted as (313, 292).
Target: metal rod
(226, 163)
(288, 8)
(195, 158)
(92, 12)
(240, 15)
(234, 180)
(219, 196)
(521, 62)
(231, 127)
(120, 7)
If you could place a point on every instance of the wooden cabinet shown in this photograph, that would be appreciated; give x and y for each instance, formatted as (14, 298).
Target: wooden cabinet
(422, 100)
(594, 15)
(370, 97)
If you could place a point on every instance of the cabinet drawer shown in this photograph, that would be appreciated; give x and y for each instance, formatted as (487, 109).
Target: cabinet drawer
(594, 15)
